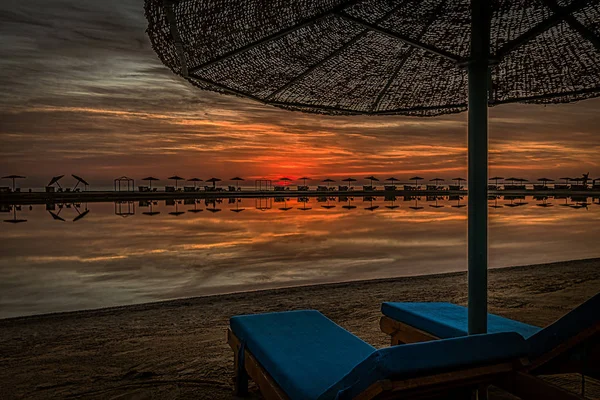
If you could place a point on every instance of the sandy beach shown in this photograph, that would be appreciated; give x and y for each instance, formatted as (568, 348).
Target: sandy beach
(177, 349)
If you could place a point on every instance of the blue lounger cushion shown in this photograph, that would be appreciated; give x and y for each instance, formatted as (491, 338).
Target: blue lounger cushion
(447, 320)
(310, 357)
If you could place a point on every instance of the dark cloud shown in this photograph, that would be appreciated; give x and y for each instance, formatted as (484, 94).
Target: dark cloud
(84, 92)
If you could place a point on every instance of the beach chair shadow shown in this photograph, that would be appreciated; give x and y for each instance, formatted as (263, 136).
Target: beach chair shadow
(304, 355)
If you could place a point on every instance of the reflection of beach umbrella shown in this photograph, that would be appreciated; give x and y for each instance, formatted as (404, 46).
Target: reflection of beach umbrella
(328, 181)
(56, 217)
(55, 179)
(237, 181)
(15, 220)
(416, 206)
(436, 205)
(13, 177)
(496, 179)
(213, 209)
(176, 178)
(372, 178)
(496, 205)
(214, 181)
(150, 179)
(412, 58)
(237, 208)
(371, 207)
(304, 208)
(80, 216)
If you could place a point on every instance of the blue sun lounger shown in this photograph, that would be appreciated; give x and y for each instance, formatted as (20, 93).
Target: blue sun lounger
(571, 344)
(302, 355)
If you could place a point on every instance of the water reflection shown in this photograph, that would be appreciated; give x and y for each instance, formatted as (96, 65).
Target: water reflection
(73, 256)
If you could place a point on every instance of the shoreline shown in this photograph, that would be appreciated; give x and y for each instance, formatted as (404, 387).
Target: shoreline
(275, 290)
(177, 349)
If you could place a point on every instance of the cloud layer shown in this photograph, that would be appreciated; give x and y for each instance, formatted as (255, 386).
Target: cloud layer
(84, 93)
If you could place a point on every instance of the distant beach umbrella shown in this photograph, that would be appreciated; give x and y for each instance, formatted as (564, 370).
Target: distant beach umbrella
(567, 180)
(328, 181)
(416, 179)
(237, 181)
(372, 178)
(15, 220)
(392, 179)
(176, 178)
(13, 177)
(150, 179)
(214, 182)
(80, 180)
(512, 180)
(496, 179)
(436, 180)
(381, 57)
(459, 180)
(545, 180)
(304, 179)
(195, 180)
(56, 180)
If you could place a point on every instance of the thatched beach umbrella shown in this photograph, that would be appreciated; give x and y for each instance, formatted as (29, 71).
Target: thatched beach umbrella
(55, 179)
(380, 57)
(567, 180)
(150, 179)
(416, 179)
(176, 178)
(459, 180)
(237, 181)
(304, 179)
(496, 179)
(13, 177)
(392, 179)
(214, 181)
(195, 180)
(327, 181)
(372, 178)
(545, 180)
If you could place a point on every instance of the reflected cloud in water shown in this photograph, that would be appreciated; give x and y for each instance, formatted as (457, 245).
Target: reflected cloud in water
(76, 256)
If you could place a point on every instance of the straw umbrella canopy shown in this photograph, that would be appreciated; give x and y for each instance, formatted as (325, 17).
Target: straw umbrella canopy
(496, 179)
(545, 180)
(176, 178)
(13, 177)
(436, 180)
(512, 180)
(327, 181)
(150, 179)
(416, 179)
(304, 179)
(237, 181)
(372, 178)
(459, 180)
(567, 180)
(390, 57)
(392, 179)
(55, 179)
(214, 181)
(195, 180)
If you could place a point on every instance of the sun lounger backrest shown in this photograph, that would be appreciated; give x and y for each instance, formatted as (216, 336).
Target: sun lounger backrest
(571, 324)
(419, 359)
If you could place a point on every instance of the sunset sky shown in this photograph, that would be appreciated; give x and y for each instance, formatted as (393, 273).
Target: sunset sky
(83, 93)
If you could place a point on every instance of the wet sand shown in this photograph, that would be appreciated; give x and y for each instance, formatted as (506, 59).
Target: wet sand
(177, 349)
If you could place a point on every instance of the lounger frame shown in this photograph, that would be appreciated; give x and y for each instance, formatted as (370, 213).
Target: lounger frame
(426, 387)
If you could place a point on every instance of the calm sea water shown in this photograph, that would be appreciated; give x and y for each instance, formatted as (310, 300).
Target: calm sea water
(80, 256)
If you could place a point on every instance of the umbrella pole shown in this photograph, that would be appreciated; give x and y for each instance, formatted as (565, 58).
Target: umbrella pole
(478, 72)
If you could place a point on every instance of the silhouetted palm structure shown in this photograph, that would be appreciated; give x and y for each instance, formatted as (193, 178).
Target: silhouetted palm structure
(13, 177)
(390, 57)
